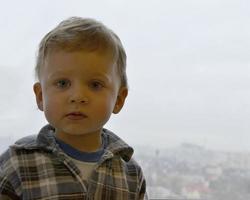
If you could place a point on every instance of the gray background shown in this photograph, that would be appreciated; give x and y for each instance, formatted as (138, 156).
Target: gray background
(188, 68)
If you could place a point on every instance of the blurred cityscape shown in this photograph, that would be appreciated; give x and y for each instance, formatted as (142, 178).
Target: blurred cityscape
(194, 172)
(190, 172)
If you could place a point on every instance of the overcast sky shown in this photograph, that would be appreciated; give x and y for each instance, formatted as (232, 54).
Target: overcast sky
(188, 68)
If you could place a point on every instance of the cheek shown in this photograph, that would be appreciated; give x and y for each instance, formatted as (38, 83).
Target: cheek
(105, 107)
(51, 106)
(51, 99)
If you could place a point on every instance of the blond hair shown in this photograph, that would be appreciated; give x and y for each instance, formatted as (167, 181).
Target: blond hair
(78, 33)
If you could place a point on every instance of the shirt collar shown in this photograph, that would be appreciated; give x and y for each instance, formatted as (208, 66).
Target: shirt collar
(46, 140)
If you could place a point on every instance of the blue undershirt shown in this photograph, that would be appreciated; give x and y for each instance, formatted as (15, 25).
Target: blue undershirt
(80, 155)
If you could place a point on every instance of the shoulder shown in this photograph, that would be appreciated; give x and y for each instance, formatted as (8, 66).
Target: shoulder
(27, 141)
(116, 145)
(8, 172)
(5, 159)
(10, 156)
(135, 168)
(9, 152)
(132, 168)
(18, 156)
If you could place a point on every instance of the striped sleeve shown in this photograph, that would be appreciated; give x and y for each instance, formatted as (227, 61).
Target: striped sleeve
(7, 190)
(142, 186)
(136, 171)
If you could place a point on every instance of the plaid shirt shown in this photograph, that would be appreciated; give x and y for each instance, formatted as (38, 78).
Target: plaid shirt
(36, 168)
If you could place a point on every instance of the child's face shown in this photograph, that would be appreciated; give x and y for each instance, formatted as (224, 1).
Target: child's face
(78, 91)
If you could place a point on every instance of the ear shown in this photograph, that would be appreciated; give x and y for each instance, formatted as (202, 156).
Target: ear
(39, 95)
(123, 92)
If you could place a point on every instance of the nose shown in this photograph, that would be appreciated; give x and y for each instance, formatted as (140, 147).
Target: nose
(82, 101)
(78, 95)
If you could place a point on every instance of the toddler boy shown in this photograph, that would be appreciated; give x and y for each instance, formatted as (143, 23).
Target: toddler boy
(81, 72)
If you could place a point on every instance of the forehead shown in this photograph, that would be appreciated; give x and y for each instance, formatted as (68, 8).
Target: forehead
(79, 61)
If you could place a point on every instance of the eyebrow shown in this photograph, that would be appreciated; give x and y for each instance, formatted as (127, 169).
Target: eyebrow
(56, 73)
(59, 73)
(101, 75)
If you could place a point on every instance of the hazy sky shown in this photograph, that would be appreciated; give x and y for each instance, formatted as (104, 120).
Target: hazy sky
(188, 67)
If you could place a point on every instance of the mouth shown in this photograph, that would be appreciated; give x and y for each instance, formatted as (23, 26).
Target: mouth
(76, 116)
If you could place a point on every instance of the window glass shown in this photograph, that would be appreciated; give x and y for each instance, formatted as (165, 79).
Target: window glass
(187, 113)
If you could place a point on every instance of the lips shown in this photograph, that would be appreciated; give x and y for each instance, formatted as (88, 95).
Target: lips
(76, 116)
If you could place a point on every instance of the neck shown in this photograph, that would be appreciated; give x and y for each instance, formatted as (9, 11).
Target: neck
(87, 143)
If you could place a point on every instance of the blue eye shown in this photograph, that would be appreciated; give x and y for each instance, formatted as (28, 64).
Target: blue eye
(96, 85)
(63, 83)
